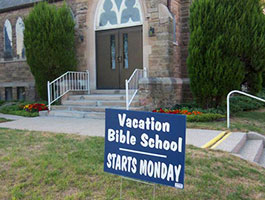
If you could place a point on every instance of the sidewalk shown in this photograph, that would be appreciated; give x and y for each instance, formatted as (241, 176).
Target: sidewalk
(89, 127)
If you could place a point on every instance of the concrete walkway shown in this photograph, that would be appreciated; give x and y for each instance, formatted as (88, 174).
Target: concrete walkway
(249, 146)
(89, 127)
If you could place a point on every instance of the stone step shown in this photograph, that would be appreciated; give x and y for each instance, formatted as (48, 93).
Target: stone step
(252, 150)
(98, 97)
(96, 103)
(233, 143)
(76, 114)
(89, 108)
(108, 92)
(262, 159)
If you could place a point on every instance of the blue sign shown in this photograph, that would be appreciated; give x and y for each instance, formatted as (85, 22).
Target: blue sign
(146, 146)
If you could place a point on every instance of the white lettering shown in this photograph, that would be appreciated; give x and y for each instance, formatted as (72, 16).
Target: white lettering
(143, 167)
(177, 172)
(122, 119)
(135, 123)
(111, 135)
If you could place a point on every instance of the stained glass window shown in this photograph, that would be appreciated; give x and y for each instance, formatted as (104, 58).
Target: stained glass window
(20, 38)
(125, 51)
(118, 13)
(113, 51)
(8, 39)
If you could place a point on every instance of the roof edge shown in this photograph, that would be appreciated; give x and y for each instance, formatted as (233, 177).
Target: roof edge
(26, 5)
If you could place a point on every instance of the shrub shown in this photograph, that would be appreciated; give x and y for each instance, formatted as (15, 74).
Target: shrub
(1, 102)
(237, 104)
(192, 115)
(49, 43)
(263, 80)
(207, 117)
(226, 49)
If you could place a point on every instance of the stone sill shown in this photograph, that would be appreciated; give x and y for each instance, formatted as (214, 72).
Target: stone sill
(2, 61)
(17, 84)
(164, 81)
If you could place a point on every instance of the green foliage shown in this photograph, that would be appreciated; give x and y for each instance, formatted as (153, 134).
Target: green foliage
(49, 41)
(226, 49)
(17, 109)
(207, 117)
(237, 104)
(263, 79)
(2, 120)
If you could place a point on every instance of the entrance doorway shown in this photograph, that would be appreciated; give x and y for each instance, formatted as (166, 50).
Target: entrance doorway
(119, 52)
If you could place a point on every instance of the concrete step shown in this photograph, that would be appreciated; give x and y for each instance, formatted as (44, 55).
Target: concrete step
(76, 114)
(252, 150)
(233, 143)
(98, 97)
(90, 108)
(108, 92)
(262, 159)
(110, 103)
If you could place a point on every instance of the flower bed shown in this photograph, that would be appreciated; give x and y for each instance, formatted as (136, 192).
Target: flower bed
(178, 111)
(192, 116)
(23, 109)
(36, 107)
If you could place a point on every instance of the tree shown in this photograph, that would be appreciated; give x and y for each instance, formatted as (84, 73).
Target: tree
(50, 44)
(226, 49)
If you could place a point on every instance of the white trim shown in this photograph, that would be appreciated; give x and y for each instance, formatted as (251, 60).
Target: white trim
(143, 153)
(119, 26)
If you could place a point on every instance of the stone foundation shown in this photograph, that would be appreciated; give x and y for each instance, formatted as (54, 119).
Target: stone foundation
(14, 74)
(163, 92)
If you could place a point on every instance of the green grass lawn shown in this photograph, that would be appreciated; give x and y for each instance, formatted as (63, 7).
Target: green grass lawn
(3, 120)
(36, 165)
(241, 121)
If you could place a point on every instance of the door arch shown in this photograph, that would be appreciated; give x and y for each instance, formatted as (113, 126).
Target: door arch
(119, 42)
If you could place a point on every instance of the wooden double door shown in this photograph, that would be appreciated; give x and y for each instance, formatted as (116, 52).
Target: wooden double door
(119, 52)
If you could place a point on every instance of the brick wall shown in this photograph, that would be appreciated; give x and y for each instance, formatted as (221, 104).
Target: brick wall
(15, 72)
(168, 83)
(167, 59)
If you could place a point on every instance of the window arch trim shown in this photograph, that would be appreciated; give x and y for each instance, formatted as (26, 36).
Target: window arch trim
(128, 10)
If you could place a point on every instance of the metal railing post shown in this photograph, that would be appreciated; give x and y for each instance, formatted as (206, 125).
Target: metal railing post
(127, 94)
(228, 103)
(88, 86)
(49, 95)
(145, 73)
(228, 110)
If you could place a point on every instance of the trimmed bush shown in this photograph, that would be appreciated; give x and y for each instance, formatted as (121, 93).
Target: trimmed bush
(49, 42)
(263, 79)
(226, 49)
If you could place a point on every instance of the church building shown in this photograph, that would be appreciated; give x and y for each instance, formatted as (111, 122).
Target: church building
(113, 38)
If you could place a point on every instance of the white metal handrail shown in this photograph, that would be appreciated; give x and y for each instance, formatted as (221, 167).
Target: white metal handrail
(228, 103)
(70, 81)
(132, 85)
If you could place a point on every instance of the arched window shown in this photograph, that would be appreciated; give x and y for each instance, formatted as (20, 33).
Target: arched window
(8, 39)
(118, 13)
(20, 38)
